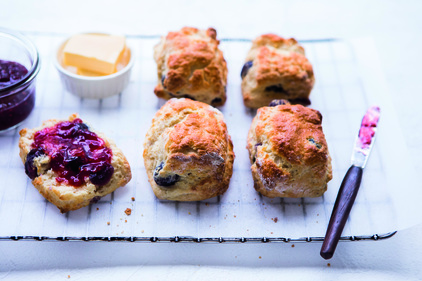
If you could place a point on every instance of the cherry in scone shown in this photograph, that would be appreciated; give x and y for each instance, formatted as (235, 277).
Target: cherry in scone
(280, 71)
(278, 102)
(256, 149)
(216, 101)
(190, 65)
(70, 164)
(288, 151)
(188, 153)
(179, 95)
(30, 168)
(162, 80)
(167, 180)
(246, 68)
(276, 88)
(313, 142)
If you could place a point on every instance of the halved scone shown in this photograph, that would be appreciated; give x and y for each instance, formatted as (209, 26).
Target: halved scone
(70, 164)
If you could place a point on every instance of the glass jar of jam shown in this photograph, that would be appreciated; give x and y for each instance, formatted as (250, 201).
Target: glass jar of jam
(19, 66)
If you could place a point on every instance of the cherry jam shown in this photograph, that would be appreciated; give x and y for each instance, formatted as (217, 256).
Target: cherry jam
(75, 153)
(11, 72)
(15, 104)
(368, 126)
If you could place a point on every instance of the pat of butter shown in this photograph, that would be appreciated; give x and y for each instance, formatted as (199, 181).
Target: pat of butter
(94, 52)
(84, 72)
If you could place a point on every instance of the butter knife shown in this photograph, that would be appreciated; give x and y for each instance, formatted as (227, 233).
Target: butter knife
(351, 182)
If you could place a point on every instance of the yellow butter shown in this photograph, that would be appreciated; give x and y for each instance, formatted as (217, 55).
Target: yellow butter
(84, 72)
(94, 53)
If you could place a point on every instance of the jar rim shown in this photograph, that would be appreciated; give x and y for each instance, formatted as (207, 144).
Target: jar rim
(35, 67)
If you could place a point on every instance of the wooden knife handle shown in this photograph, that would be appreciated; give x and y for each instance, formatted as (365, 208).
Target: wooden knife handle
(344, 202)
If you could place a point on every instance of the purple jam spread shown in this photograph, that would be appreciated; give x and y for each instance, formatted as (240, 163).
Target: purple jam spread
(14, 108)
(11, 72)
(368, 126)
(75, 153)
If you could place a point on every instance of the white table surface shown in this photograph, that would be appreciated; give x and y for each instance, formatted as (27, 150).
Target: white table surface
(395, 27)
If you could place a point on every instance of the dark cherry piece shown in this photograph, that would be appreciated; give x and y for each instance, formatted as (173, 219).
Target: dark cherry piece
(301, 101)
(162, 80)
(95, 199)
(312, 141)
(82, 126)
(101, 174)
(30, 169)
(276, 88)
(187, 97)
(278, 102)
(166, 181)
(75, 153)
(256, 148)
(246, 68)
(182, 96)
(216, 101)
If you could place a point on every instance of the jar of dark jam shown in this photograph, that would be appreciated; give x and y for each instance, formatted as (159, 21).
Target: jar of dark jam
(19, 66)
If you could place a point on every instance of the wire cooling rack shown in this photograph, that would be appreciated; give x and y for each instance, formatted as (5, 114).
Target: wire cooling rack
(241, 214)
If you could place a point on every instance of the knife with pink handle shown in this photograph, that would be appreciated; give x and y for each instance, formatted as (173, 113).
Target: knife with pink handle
(351, 182)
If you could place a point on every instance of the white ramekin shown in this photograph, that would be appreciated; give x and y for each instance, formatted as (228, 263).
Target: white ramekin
(93, 87)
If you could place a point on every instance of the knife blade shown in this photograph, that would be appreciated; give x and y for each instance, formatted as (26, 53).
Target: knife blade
(351, 181)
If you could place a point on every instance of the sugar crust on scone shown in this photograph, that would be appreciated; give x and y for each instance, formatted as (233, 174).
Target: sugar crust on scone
(190, 65)
(189, 139)
(288, 152)
(279, 64)
(67, 197)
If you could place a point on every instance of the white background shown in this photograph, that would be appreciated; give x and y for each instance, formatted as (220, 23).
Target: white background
(394, 25)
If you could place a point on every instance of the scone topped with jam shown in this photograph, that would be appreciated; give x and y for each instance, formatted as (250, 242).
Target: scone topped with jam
(70, 164)
(276, 68)
(190, 65)
(188, 152)
(288, 151)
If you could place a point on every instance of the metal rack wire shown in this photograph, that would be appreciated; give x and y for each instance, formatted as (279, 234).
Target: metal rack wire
(241, 215)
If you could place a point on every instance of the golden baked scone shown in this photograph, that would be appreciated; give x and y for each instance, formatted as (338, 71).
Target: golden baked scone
(276, 68)
(70, 164)
(190, 65)
(288, 152)
(188, 152)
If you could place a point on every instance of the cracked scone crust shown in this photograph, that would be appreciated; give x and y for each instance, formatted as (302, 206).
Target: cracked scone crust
(67, 197)
(190, 65)
(288, 152)
(276, 68)
(188, 151)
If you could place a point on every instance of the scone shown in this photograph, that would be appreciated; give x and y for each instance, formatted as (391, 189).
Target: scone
(190, 65)
(70, 164)
(276, 68)
(188, 153)
(288, 152)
